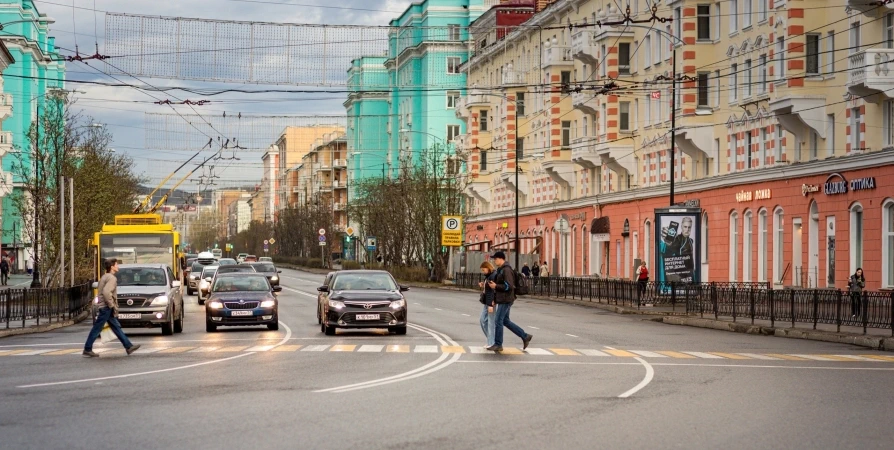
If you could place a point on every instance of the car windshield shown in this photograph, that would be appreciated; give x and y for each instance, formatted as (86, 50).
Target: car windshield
(366, 281)
(197, 267)
(209, 272)
(265, 268)
(141, 276)
(265, 259)
(234, 269)
(236, 284)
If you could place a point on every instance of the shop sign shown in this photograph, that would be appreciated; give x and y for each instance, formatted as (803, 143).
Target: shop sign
(579, 216)
(759, 194)
(602, 237)
(835, 187)
(808, 188)
(861, 184)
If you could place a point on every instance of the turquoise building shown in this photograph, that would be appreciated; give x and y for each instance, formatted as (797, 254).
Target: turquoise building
(38, 68)
(427, 45)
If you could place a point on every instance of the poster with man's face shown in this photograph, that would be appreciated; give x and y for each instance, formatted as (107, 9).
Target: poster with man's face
(677, 248)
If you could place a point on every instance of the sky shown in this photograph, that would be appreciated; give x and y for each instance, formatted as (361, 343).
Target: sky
(122, 109)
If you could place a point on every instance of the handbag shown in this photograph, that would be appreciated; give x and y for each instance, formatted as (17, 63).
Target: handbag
(482, 297)
(106, 335)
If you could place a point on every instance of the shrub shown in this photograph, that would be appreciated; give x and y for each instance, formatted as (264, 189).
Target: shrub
(350, 265)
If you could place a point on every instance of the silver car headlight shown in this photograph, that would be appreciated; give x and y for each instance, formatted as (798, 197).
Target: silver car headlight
(268, 303)
(161, 300)
(274, 278)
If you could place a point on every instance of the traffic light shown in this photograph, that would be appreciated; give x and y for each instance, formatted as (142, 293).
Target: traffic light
(348, 239)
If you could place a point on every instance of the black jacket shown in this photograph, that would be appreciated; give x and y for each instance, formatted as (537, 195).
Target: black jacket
(505, 279)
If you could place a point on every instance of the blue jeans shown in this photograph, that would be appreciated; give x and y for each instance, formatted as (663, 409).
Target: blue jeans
(105, 315)
(488, 325)
(502, 319)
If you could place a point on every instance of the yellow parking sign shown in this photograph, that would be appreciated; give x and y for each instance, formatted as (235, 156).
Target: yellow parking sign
(451, 231)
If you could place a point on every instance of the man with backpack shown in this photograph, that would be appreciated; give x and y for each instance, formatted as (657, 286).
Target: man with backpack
(4, 271)
(505, 285)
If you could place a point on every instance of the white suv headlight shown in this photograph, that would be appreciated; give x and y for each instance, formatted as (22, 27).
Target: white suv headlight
(161, 300)
(398, 304)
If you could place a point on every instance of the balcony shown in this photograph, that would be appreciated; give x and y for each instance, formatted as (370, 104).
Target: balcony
(5, 106)
(513, 77)
(585, 101)
(557, 55)
(339, 184)
(871, 72)
(475, 97)
(5, 142)
(339, 206)
(868, 7)
(582, 47)
(340, 163)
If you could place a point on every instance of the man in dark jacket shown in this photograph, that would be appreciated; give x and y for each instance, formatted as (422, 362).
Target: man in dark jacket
(4, 271)
(504, 295)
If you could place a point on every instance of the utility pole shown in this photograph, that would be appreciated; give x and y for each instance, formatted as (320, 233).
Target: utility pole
(517, 232)
(71, 229)
(61, 231)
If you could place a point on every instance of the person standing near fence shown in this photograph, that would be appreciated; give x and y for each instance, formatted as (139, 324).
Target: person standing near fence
(504, 284)
(642, 278)
(4, 271)
(544, 270)
(855, 286)
(108, 310)
(488, 321)
(535, 272)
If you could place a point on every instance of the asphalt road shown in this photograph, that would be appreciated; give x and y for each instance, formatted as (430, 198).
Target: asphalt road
(590, 379)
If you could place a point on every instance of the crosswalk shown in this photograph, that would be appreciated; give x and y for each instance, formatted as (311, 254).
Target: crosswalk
(452, 349)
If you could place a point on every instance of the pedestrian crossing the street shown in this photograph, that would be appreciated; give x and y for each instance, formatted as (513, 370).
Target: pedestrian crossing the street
(532, 353)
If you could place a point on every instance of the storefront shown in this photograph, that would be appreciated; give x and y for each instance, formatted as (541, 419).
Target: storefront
(789, 226)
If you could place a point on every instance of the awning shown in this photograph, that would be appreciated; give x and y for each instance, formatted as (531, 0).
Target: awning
(600, 225)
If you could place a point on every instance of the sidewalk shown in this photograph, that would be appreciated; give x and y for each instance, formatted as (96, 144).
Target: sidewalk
(18, 281)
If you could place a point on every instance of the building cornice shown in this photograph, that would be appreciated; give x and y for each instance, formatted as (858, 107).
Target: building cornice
(424, 47)
(797, 170)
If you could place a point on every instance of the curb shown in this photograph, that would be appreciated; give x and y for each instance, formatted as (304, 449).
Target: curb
(43, 328)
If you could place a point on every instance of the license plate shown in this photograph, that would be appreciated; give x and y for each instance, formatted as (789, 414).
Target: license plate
(367, 317)
(130, 316)
(242, 313)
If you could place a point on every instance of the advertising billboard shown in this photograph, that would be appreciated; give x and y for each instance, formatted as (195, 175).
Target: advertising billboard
(678, 245)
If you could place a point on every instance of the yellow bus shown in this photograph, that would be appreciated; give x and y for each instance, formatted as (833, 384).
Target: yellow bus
(138, 239)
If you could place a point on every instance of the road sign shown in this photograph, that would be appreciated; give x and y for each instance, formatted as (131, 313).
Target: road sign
(322, 238)
(350, 231)
(272, 241)
(562, 226)
(266, 242)
(322, 243)
(451, 231)
(322, 232)
(371, 243)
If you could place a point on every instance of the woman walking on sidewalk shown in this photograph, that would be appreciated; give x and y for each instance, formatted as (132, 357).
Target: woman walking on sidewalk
(487, 299)
(855, 286)
(108, 310)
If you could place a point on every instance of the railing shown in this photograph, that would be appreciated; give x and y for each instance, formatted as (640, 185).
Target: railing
(340, 163)
(729, 300)
(857, 68)
(872, 67)
(19, 307)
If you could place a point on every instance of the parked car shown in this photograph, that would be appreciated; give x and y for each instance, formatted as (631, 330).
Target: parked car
(265, 259)
(208, 273)
(242, 299)
(241, 257)
(149, 296)
(362, 299)
(269, 270)
(250, 258)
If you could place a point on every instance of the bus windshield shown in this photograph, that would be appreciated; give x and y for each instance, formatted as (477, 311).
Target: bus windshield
(138, 248)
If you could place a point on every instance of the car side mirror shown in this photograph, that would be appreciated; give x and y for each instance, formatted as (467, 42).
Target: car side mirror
(404, 288)
(175, 284)
(323, 289)
(279, 271)
(277, 288)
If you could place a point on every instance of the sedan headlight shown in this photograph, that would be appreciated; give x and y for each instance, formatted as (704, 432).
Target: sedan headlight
(336, 304)
(274, 278)
(215, 305)
(161, 300)
(268, 303)
(398, 304)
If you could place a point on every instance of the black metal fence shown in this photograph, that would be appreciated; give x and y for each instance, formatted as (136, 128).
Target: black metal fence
(21, 307)
(745, 301)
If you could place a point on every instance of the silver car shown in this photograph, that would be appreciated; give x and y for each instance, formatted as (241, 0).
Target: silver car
(149, 296)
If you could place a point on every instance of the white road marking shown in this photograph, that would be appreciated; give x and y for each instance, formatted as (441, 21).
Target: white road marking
(814, 357)
(203, 350)
(315, 348)
(466, 315)
(704, 355)
(259, 348)
(746, 366)
(371, 348)
(299, 292)
(650, 373)
(36, 352)
(437, 309)
(566, 334)
(151, 350)
(590, 352)
(420, 304)
(647, 354)
(478, 349)
(535, 328)
(857, 358)
(538, 351)
(426, 349)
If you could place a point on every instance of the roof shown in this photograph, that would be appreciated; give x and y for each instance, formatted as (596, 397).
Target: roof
(147, 266)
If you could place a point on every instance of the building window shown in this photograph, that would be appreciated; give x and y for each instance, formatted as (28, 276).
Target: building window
(453, 64)
(761, 10)
(647, 50)
(648, 103)
(482, 121)
(762, 75)
(813, 54)
(733, 246)
(733, 151)
(453, 32)
(734, 15)
(603, 71)
(830, 135)
(746, 246)
(748, 149)
(603, 118)
(452, 132)
(704, 249)
(777, 149)
(483, 156)
(716, 88)
(624, 116)
(452, 99)
(703, 90)
(762, 146)
(678, 23)
(624, 58)
(778, 237)
(762, 246)
(704, 22)
(888, 243)
(747, 75)
(855, 38)
(520, 147)
(780, 58)
(566, 133)
(733, 82)
(888, 113)
(520, 103)
(814, 145)
(856, 136)
(746, 13)
(856, 248)
(889, 30)
(830, 53)
(657, 53)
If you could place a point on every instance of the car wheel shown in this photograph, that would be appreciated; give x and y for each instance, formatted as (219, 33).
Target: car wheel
(273, 326)
(330, 331)
(210, 327)
(168, 328)
(201, 301)
(188, 291)
(178, 324)
(399, 330)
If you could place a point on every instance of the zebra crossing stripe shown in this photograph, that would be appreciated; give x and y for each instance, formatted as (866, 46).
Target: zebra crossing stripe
(452, 349)
(426, 349)
(478, 350)
(204, 350)
(730, 355)
(879, 357)
(287, 348)
(564, 352)
(397, 349)
(143, 351)
(34, 352)
(621, 353)
(260, 348)
(854, 358)
(814, 357)
(67, 351)
(590, 352)
(237, 348)
(787, 357)
(648, 354)
(704, 355)
(177, 349)
(315, 348)
(538, 351)
(342, 348)
(757, 356)
(371, 348)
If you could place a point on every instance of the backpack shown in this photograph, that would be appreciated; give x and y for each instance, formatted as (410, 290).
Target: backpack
(521, 283)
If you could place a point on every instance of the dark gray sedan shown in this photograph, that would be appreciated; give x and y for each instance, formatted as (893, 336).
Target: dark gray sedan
(239, 299)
